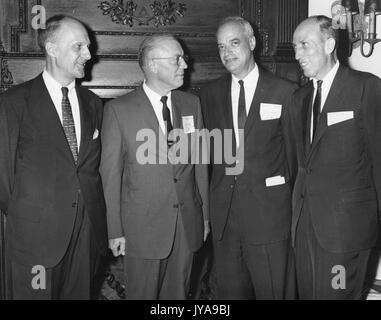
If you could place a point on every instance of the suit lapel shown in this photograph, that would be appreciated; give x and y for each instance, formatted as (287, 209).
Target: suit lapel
(176, 113)
(151, 120)
(306, 117)
(225, 104)
(259, 96)
(333, 100)
(48, 118)
(86, 124)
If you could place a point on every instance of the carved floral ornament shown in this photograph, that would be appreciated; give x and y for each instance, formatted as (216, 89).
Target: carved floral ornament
(163, 12)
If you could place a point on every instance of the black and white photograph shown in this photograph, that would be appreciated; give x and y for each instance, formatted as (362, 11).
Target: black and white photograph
(190, 154)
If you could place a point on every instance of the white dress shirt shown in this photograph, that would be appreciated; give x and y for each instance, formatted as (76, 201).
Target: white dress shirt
(157, 105)
(55, 92)
(250, 84)
(325, 88)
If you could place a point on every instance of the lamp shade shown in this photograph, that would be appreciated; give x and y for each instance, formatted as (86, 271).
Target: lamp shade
(372, 5)
(351, 5)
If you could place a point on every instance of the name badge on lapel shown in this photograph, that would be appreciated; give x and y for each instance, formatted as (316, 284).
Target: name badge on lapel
(270, 111)
(188, 124)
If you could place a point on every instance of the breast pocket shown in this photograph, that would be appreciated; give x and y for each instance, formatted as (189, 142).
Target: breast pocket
(266, 133)
(342, 143)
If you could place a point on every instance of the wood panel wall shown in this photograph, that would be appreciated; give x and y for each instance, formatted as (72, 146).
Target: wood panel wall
(115, 70)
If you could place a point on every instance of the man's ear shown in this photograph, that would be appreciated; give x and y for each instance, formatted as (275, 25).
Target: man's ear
(252, 43)
(50, 48)
(152, 66)
(330, 45)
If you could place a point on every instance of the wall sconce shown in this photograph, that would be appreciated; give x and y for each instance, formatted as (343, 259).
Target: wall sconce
(357, 30)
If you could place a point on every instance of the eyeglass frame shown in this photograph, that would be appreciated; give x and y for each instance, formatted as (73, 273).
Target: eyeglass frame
(184, 57)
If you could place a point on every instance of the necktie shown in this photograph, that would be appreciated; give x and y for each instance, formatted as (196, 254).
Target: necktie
(316, 108)
(68, 124)
(167, 116)
(241, 106)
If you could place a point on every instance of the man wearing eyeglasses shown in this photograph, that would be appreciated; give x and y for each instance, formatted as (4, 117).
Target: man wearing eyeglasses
(157, 211)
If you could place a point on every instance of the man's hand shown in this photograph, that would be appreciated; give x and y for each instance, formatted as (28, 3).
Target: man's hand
(206, 230)
(117, 246)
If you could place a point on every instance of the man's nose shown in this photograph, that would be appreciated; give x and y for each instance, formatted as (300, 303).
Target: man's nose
(86, 53)
(183, 64)
(297, 54)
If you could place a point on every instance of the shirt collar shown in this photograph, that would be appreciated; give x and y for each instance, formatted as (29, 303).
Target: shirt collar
(53, 83)
(252, 76)
(152, 95)
(328, 79)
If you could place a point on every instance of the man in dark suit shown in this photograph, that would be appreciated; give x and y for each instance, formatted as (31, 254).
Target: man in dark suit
(50, 187)
(338, 188)
(250, 211)
(156, 208)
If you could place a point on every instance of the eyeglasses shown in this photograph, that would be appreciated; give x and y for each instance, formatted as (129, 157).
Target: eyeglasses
(177, 59)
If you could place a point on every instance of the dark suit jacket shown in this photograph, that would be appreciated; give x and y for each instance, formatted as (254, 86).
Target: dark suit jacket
(143, 199)
(340, 174)
(268, 152)
(39, 180)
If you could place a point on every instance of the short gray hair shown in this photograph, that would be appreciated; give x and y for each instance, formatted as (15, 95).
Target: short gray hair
(149, 44)
(249, 32)
(53, 25)
(326, 28)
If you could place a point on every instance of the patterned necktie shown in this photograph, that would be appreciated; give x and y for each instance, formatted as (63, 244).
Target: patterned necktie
(68, 124)
(316, 108)
(167, 118)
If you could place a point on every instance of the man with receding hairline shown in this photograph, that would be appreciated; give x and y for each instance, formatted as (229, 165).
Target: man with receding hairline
(251, 212)
(157, 212)
(337, 193)
(50, 187)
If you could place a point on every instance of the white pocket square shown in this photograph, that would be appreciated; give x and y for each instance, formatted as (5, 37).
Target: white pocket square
(96, 134)
(337, 117)
(270, 111)
(275, 181)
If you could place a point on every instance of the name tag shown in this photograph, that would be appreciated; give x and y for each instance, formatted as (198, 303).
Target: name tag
(275, 181)
(270, 111)
(337, 117)
(188, 124)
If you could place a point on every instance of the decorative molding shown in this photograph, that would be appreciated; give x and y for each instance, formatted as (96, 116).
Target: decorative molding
(146, 34)
(292, 13)
(257, 15)
(163, 13)
(6, 75)
(113, 57)
(21, 27)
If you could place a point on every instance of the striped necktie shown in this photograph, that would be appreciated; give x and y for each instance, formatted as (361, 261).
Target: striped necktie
(68, 124)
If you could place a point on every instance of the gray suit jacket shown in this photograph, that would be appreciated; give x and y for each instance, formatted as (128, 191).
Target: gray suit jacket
(143, 200)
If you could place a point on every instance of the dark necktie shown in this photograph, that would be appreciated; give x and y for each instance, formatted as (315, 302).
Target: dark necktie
(68, 124)
(167, 117)
(241, 106)
(316, 108)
